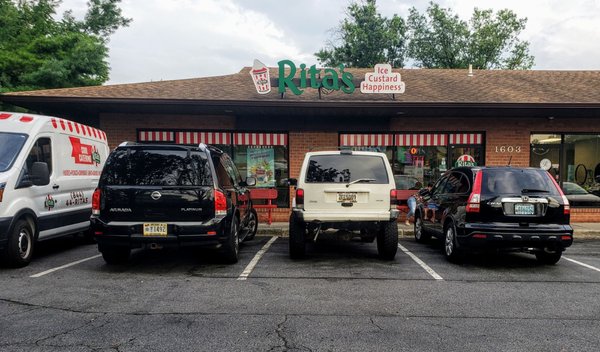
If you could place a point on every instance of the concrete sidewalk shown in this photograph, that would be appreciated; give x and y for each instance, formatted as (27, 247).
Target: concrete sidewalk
(582, 230)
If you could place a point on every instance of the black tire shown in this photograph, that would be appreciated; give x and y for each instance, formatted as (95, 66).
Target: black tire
(231, 247)
(451, 250)
(114, 255)
(421, 235)
(252, 225)
(19, 248)
(548, 257)
(387, 240)
(297, 238)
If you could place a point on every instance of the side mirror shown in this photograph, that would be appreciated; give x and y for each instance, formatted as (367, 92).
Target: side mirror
(292, 182)
(250, 181)
(39, 174)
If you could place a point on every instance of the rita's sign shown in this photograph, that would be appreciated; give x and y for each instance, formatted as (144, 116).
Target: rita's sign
(297, 78)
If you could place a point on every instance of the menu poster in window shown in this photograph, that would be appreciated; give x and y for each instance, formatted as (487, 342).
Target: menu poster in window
(261, 165)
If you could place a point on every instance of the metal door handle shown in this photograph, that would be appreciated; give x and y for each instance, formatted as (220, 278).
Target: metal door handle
(55, 187)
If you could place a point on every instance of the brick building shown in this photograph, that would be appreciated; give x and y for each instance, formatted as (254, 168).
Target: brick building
(547, 119)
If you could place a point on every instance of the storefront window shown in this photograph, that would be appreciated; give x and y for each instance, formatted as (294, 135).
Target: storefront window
(265, 157)
(426, 163)
(574, 160)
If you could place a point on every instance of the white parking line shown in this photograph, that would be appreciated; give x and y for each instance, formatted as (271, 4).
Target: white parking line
(244, 275)
(65, 266)
(582, 264)
(421, 263)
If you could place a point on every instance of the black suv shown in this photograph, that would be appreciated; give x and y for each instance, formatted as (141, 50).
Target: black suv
(496, 207)
(152, 196)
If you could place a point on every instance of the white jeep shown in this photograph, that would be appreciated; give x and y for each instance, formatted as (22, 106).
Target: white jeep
(345, 190)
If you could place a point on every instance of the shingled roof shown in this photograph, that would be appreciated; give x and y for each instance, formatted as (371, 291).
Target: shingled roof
(422, 86)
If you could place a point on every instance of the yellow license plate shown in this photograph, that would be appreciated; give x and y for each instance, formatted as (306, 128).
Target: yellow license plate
(155, 229)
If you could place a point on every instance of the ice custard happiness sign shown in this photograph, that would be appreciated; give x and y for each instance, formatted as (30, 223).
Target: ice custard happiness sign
(382, 80)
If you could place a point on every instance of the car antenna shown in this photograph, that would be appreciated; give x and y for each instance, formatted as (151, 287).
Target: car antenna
(509, 160)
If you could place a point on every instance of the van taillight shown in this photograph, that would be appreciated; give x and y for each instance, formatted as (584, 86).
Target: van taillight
(566, 205)
(394, 197)
(299, 197)
(473, 204)
(2, 185)
(96, 201)
(220, 203)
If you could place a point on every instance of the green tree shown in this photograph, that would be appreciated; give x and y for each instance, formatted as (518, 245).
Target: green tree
(38, 51)
(366, 38)
(440, 39)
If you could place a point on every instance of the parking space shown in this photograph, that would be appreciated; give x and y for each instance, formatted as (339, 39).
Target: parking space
(329, 258)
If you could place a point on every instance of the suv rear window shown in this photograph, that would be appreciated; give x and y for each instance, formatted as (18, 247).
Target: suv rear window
(157, 167)
(341, 168)
(517, 182)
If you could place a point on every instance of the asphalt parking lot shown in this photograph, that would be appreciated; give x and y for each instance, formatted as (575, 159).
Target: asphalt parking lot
(340, 298)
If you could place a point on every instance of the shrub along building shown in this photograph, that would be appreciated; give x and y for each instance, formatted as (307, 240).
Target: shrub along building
(426, 121)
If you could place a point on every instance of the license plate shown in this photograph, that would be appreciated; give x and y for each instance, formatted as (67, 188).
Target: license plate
(524, 209)
(156, 229)
(346, 197)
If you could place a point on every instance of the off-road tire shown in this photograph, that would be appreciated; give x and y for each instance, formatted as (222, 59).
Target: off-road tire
(297, 238)
(421, 235)
(19, 248)
(114, 255)
(231, 247)
(387, 240)
(252, 225)
(548, 257)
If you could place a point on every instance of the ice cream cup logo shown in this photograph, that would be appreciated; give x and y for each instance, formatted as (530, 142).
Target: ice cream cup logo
(260, 76)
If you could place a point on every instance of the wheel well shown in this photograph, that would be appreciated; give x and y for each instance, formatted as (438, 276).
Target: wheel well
(30, 217)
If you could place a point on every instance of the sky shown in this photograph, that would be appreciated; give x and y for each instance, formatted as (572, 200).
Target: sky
(179, 39)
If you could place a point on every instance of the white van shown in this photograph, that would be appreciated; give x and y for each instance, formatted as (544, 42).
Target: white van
(49, 168)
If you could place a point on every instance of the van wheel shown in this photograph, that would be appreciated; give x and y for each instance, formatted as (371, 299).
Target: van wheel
(548, 257)
(387, 240)
(297, 238)
(115, 254)
(231, 247)
(451, 250)
(19, 249)
(421, 235)
(252, 225)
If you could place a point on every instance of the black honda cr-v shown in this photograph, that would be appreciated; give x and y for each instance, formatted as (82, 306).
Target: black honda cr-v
(154, 196)
(496, 207)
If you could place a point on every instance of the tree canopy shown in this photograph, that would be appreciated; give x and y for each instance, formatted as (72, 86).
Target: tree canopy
(39, 51)
(435, 39)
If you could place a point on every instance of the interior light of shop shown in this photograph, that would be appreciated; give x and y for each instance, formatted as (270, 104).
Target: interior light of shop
(551, 139)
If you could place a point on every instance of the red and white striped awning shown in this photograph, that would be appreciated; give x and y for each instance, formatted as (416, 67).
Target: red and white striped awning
(466, 138)
(260, 138)
(203, 137)
(366, 140)
(421, 140)
(156, 136)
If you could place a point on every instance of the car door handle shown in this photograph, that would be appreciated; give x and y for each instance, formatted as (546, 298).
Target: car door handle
(55, 187)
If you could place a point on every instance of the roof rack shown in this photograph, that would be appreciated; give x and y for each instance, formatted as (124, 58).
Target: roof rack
(126, 143)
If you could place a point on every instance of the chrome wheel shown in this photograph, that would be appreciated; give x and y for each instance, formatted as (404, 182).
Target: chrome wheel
(418, 229)
(449, 242)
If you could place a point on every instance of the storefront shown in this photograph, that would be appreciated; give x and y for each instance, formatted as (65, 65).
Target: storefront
(426, 121)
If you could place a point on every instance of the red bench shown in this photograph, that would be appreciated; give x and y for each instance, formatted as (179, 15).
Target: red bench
(402, 196)
(266, 197)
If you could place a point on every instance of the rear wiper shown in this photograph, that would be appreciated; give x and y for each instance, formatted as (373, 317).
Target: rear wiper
(527, 190)
(361, 180)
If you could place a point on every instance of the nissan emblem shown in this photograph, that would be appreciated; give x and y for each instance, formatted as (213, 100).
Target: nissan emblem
(156, 195)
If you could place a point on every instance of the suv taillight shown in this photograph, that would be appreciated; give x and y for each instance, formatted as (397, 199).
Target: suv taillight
(393, 198)
(299, 198)
(566, 205)
(96, 201)
(473, 204)
(220, 203)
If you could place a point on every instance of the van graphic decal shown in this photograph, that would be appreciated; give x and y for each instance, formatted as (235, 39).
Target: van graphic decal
(49, 202)
(84, 153)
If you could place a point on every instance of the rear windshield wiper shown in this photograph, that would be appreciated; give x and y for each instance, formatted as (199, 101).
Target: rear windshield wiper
(361, 180)
(528, 190)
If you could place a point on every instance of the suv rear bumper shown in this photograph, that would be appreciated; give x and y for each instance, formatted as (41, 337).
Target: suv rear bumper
(180, 234)
(322, 216)
(504, 236)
